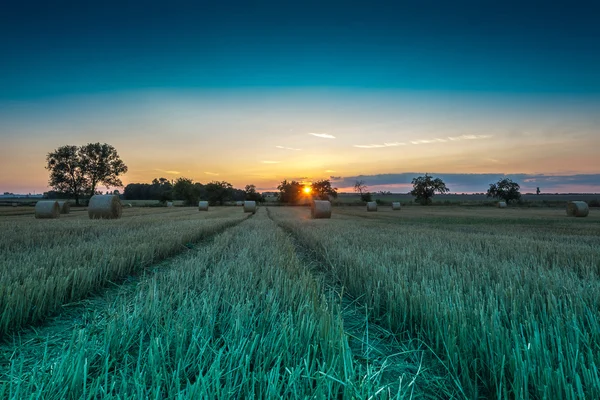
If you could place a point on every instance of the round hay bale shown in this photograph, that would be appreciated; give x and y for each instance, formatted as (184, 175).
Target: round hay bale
(105, 207)
(65, 207)
(396, 205)
(47, 209)
(239, 203)
(249, 206)
(320, 209)
(577, 209)
(203, 206)
(372, 206)
(501, 204)
(15, 204)
(169, 204)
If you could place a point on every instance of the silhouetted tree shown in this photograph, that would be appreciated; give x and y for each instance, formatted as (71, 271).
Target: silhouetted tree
(322, 189)
(289, 192)
(361, 187)
(425, 187)
(77, 171)
(185, 189)
(218, 192)
(251, 194)
(504, 189)
(102, 165)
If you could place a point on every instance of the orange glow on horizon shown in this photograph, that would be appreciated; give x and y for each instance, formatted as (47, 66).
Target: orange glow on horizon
(307, 189)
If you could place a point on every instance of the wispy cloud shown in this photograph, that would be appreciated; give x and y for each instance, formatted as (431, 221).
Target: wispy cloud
(287, 148)
(211, 173)
(424, 141)
(322, 135)
(271, 162)
(329, 170)
(469, 137)
(168, 172)
(375, 146)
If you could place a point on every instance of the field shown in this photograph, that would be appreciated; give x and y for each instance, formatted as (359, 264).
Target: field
(427, 302)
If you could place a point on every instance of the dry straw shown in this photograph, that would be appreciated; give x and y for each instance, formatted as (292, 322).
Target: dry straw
(577, 209)
(65, 207)
(105, 207)
(249, 206)
(320, 209)
(396, 205)
(501, 204)
(203, 206)
(372, 206)
(47, 209)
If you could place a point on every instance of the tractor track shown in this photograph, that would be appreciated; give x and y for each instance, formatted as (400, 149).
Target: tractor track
(55, 331)
(372, 345)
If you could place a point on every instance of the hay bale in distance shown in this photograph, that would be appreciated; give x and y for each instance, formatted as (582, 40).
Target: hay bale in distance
(577, 209)
(239, 203)
(396, 205)
(320, 209)
(249, 206)
(372, 206)
(65, 207)
(169, 204)
(501, 204)
(47, 209)
(105, 207)
(203, 206)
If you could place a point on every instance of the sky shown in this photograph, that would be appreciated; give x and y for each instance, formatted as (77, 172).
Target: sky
(255, 92)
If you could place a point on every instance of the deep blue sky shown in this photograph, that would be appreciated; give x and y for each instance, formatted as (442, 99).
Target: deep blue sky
(261, 91)
(69, 47)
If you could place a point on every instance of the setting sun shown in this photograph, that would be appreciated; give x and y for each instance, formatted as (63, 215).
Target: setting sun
(307, 189)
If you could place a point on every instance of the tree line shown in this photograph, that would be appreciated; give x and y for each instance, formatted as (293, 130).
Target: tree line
(77, 171)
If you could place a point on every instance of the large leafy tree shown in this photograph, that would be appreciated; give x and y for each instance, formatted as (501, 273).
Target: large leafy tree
(218, 192)
(505, 189)
(289, 192)
(425, 187)
(66, 174)
(185, 189)
(102, 165)
(323, 190)
(77, 171)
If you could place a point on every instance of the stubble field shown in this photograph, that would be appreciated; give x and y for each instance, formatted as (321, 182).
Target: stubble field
(427, 302)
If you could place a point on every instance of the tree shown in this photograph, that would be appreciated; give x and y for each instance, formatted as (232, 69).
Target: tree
(504, 189)
(361, 187)
(251, 194)
(77, 171)
(185, 189)
(537, 191)
(218, 192)
(289, 192)
(102, 165)
(322, 189)
(424, 188)
(66, 174)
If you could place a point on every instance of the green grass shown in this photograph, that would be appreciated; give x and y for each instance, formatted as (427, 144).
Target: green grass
(241, 317)
(427, 302)
(511, 306)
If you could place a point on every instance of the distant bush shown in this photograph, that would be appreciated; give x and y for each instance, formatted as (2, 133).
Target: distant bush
(380, 202)
(594, 203)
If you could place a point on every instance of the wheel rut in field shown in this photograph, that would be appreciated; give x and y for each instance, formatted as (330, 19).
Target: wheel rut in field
(406, 363)
(57, 330)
